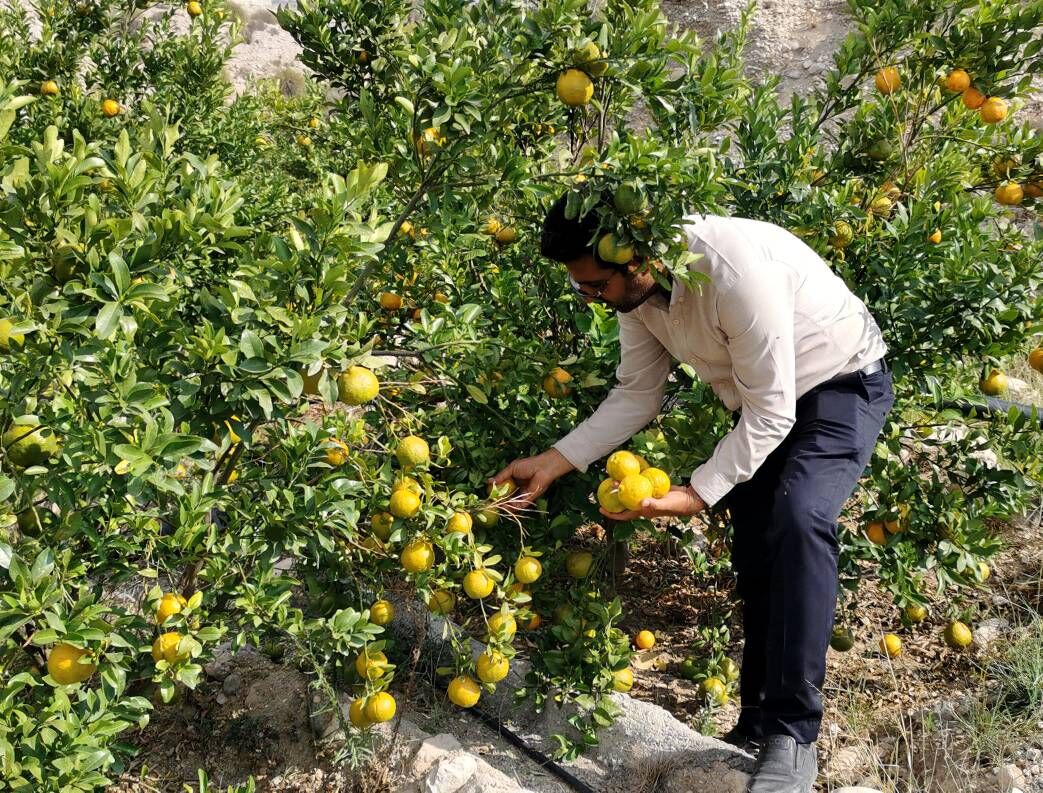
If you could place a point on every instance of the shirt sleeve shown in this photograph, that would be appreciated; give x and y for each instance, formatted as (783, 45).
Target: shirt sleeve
(757, 315)
(635, 400)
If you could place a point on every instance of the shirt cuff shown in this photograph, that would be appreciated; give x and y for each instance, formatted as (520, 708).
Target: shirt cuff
(710, 485)
(572, 451)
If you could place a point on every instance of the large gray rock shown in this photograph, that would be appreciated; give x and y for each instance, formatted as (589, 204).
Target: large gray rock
(450, 773)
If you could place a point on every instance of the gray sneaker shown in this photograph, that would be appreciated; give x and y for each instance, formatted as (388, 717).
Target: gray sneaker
(784, 766)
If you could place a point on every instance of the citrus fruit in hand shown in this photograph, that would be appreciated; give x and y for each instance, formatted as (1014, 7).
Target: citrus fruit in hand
(622, 464)
(660, 481)
(633, 490)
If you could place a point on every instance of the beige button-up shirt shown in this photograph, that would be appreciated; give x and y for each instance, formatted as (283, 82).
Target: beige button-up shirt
(773, 322)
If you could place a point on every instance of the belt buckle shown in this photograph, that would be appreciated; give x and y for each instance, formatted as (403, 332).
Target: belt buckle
(873, 368)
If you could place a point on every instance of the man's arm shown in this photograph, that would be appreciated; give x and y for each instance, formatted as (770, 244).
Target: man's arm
(757, 315)
(634, 401)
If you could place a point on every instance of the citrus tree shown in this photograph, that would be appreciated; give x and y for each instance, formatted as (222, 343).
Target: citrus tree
(258, 357)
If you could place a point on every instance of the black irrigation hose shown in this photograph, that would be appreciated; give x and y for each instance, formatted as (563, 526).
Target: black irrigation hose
(993, 407)
(545, 762)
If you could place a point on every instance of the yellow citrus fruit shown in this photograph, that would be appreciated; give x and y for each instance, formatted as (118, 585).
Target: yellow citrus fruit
(460, 522)
(9, 340)
(381, 525)
(478, 584)
(408, 483)
(357, 714)
(430, 140)
(608, 496)
(441, 601)
(164, 648)
(505, 489)
(490, 226)
(935, 236)
(110, 108)
(389, 301)
(633, 490)
(404, 503)
(611, 248)
(1036, 359)
(194, 8)
(578, 564)
(973, 98)
(958, 81)
(29, 444)
(645, 640)
(622, 464)
(730, 670)
(957, 635)
(623, 680)
(843, 234)
(464, 691)
(170, 604)
(887, 80)
(492, 667)
(915, 614)
(380, 707)
(984, 571)
(891, 645)
(499, 621)
(876, 533)
(533, 623)
(1034, 189)
(381, 612)
(487, 518)
(417, 556)
(412, 451)
(506, 235)
(357, 386)
(660, 481)
(528, 569)
(995, 384)
(49, 88)
(574, 88)
(314, 122)
(63, 664)
(993, 110)
(555, 383)
(337, 454)
(715, 690)
(371, 664)
(1009, 193)
(304, 141)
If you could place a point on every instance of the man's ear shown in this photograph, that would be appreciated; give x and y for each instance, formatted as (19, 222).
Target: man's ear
(636, 264)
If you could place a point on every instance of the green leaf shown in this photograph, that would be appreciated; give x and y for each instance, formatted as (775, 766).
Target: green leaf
(108, 320)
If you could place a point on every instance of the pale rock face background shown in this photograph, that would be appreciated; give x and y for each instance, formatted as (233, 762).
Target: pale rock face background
(794, 38)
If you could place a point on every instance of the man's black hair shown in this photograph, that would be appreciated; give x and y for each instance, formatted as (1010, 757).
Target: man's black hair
(565, 239)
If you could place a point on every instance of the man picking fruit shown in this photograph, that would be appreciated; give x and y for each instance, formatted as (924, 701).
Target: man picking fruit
(800, 361)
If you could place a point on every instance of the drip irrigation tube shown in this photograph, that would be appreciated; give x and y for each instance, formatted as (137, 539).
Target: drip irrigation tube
(993, 407)
(512, 738)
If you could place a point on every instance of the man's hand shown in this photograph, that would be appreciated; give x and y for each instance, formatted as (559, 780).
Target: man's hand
(533, 475)
(680, 502)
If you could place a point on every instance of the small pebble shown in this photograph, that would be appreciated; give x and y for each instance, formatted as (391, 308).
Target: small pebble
(232, 683)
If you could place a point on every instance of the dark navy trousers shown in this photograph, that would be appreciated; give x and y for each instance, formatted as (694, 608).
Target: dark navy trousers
(785, 550)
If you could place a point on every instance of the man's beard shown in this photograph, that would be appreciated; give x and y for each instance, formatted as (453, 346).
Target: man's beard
(632, 298)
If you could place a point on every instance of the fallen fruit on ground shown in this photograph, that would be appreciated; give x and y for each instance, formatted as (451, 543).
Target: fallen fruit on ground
(957, 635)
(645, 640)
(890, 645)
